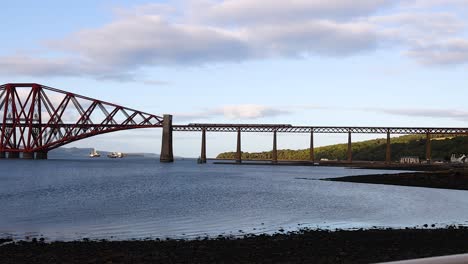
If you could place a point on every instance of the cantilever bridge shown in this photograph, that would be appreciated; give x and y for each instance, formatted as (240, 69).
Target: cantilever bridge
(36, 119)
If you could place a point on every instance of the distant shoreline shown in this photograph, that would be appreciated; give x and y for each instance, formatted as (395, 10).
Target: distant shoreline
(354, 164)
(449, 179)
(441, 176)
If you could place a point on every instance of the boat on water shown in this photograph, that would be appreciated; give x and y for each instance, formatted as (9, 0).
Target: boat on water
(114, 155)
(94, 154)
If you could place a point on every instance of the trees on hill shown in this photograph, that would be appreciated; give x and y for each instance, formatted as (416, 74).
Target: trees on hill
(371, 150)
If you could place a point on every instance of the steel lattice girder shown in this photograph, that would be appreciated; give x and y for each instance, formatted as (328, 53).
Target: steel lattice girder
(316, 129)
(40, 118)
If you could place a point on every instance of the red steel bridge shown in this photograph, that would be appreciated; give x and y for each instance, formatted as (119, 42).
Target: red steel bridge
(36, 119)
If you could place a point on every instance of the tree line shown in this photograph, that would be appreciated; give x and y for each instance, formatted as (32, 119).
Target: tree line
(443, 147)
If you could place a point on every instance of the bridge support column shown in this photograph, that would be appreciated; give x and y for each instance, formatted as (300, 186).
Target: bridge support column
(166, 146)
(203, 146)
(28, 155)
(388, 153)
(428, 147)
(2, 155)
(350, 151)
(13, 155)
(274, 154)
(42, 155)
(239, 151)
(311, 149)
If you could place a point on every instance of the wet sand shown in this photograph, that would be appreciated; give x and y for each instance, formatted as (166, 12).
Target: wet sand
(359, 246)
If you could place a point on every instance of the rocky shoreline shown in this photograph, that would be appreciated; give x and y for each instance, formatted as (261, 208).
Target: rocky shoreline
(447, 179)
(307, 246)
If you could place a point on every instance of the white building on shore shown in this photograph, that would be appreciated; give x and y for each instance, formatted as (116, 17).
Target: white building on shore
(409, 160)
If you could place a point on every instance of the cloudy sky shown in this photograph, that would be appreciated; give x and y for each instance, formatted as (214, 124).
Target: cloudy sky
(300, 62)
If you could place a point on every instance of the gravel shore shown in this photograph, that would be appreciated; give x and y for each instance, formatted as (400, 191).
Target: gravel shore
(312, 246)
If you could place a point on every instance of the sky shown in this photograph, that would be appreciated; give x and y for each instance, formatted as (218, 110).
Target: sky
(299, 62)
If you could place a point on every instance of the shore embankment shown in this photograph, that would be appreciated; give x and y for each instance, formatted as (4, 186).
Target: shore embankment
(309, 246)
(378, 165)
(455, 179)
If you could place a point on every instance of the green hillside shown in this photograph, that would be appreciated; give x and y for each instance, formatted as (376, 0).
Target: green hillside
(371, 150)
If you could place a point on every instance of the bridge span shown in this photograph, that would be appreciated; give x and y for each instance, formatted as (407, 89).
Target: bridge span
(287, 128)
(35, 119)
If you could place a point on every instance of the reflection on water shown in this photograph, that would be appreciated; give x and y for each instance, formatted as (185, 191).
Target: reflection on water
(140, 198)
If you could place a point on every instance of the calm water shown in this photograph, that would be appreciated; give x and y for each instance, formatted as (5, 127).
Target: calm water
(140, 198)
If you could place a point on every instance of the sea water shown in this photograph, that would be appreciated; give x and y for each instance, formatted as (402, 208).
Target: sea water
(137, 198)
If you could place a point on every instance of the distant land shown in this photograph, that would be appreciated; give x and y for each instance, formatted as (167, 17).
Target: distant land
(76, 153)
(372, 150)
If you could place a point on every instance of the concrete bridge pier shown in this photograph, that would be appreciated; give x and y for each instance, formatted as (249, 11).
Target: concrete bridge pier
(41, 155)
(239, 151)
(274, 154)
(13, 155)
(2, 155)
(428, 147)
(388, 153)
(166, 146)
(28, 155)
(312, 154)
(350, 151)
(203, 147)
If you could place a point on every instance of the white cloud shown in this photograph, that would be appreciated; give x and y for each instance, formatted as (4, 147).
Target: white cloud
(429, 38)
(317, 37)
(37, 66)
(273, 12)
(433, 3)
(250, 111)
(427, 112)
(145, 40)
(449, 52)
(418, 27)
(243, 112)
(133, 41)
(232, 112)
(198, 32)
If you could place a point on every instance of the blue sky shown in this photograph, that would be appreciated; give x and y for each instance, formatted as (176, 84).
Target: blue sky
(303, 62)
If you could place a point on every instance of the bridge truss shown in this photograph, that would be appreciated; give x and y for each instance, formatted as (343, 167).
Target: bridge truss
(36, 118)
(283, 128)
(319, 129)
